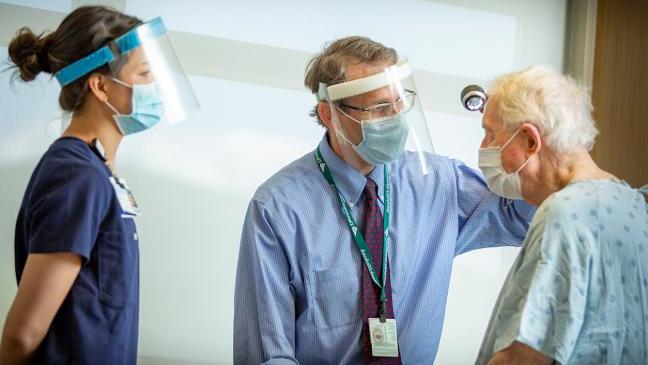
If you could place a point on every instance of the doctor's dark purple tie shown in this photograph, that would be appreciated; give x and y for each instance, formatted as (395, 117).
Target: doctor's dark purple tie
(373, 235)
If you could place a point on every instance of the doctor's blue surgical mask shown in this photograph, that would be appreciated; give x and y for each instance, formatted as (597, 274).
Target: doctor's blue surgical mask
(146, 108)
(383, 139)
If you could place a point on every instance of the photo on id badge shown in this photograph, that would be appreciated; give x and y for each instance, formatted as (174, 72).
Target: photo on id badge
(378, 335)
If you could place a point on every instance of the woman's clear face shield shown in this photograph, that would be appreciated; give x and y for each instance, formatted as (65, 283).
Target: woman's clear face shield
(143, 56)
(379, 118)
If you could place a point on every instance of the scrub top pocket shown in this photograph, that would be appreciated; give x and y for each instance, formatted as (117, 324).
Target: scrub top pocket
(118, 255)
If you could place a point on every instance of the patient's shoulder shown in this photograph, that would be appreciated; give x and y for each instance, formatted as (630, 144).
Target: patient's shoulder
(571, 203)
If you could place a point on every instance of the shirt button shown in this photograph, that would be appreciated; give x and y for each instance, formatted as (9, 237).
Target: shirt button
(351, 205)
(135, 236)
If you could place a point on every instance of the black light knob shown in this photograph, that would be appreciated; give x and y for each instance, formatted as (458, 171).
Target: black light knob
(473, 98)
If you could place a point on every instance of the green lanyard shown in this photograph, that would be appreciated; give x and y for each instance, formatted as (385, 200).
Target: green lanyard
(359, 239)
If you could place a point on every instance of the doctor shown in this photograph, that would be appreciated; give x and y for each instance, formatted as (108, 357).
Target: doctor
(76, 244)
(346, 253)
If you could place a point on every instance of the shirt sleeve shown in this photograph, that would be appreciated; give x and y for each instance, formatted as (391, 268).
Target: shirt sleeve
(264, 302)
(486, 219)
(543, 304)
(66, 209)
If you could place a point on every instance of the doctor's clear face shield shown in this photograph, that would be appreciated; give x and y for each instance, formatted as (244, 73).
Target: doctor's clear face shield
(143, 55)
(379, 117)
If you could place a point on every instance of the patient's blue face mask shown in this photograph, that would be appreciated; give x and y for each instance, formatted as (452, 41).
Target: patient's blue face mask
(147, 108)
(383, 139)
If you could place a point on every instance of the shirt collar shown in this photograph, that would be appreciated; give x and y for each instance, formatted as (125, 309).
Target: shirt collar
(349, 181)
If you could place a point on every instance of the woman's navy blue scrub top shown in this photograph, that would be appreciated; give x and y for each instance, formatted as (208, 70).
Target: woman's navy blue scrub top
(71, 206)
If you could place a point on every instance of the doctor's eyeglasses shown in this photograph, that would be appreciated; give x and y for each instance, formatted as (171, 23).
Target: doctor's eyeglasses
(403, 103)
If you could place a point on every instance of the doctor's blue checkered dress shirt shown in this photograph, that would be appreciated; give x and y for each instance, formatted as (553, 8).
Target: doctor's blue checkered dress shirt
(298, 282)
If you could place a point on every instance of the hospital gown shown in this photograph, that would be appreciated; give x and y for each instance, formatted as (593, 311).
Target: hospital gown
(578, 291)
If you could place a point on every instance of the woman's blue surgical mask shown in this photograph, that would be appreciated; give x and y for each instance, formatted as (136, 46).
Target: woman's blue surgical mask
(146, 109)
(383, 139)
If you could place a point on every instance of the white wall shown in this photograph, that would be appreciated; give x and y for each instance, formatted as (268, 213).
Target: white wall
(207, 168)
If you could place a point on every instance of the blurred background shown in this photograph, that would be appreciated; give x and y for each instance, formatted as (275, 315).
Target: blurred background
(246, 60)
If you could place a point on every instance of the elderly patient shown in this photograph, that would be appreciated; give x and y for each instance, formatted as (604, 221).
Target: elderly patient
(578, 291)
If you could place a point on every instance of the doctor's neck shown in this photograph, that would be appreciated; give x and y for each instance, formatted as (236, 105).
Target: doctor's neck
(88, 126)
(348, 155)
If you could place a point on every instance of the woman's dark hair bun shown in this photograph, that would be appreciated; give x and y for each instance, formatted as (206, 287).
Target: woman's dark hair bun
(82, 32)
(26, 51)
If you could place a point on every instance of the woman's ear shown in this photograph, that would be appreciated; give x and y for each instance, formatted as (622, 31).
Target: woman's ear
(324, 112)
(98, 86)
(533, 138)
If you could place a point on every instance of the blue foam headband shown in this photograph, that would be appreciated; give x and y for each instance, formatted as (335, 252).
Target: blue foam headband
(125, 43)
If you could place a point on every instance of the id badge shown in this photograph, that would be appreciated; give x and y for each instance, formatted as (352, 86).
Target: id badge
(384, 339)
(126, 198)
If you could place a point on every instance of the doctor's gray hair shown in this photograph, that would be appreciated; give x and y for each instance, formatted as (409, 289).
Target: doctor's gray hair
(556, 104)
(328, 66)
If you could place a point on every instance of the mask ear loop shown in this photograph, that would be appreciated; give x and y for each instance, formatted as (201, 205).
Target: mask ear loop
(340, 131)
(112, 108)
(350, 117)
(509, 140)
(120, 82)
(524, 164)
(507, 143)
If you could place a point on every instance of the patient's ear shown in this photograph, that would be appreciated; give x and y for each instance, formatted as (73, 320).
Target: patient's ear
(533, 138)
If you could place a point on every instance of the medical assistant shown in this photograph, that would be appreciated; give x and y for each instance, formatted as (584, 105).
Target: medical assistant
(70, 206)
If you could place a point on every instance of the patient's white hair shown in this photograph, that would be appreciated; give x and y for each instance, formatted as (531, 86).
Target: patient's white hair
(555, 103)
